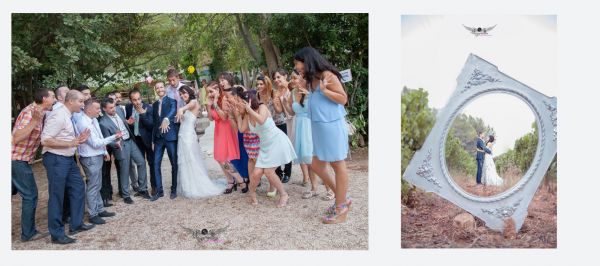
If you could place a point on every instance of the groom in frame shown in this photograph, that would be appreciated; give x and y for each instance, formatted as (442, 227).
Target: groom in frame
(481, 151)
(164, 136)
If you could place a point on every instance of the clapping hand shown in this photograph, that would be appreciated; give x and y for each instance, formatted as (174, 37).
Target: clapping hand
(119, 134)
(302, 91)
(131, 120)
(248, 105)
(82, 137)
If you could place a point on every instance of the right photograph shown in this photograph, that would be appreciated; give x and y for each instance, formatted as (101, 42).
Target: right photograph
(479, 131)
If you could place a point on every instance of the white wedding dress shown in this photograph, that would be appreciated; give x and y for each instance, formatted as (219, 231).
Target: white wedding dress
(192, 176)
(489, 176)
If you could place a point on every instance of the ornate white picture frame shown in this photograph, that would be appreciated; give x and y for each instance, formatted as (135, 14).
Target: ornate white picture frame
(428, 171)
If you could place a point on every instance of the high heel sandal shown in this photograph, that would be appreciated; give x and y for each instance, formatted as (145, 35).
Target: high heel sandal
(245, 189)
(337, 216)
(331, 209)
(231, 189)
(283, 203)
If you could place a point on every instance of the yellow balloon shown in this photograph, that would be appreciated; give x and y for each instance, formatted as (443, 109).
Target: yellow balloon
(191, 69)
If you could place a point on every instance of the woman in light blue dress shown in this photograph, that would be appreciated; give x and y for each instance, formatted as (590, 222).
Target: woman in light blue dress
(329, 128)
(297, 105)
(275, 148)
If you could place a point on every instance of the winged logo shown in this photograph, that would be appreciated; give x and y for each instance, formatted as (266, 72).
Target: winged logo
(479, 31)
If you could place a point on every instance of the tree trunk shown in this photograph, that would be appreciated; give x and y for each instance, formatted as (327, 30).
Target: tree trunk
(245, 77)
(271, 53)
(248, 39)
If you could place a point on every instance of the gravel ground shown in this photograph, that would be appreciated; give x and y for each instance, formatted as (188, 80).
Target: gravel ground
(232, 222)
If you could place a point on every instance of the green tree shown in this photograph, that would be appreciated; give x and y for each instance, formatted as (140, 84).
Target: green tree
(417, 119)
(49, 50)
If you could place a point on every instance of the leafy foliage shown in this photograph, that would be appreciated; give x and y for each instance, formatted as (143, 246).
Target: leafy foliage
(417, 119)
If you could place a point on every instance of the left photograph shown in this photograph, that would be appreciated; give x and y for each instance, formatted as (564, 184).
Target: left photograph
(189, 131)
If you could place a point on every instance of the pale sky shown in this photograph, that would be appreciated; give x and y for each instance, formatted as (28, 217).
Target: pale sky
(435, 48)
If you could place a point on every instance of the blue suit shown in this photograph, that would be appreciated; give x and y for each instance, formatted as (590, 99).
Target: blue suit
(480, 156)
(144, 140)
(167, 141)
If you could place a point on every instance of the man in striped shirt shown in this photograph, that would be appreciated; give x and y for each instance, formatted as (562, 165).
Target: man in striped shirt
(25, 142)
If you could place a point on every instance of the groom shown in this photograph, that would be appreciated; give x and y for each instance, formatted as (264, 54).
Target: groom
(481, 150)
(164, 136)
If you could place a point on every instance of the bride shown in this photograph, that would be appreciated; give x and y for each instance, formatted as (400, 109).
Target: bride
(490, 176)
(192, 175)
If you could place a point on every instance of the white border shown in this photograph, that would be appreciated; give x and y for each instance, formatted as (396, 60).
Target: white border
(578, 146)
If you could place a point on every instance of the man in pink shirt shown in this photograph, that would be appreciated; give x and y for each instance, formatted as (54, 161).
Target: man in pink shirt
(60, 142)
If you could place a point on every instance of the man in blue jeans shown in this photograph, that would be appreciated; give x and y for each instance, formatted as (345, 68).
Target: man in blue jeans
(60, 143)
(25, 142)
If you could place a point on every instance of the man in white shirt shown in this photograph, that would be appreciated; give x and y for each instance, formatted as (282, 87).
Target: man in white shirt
(91, 155)
(173, 88)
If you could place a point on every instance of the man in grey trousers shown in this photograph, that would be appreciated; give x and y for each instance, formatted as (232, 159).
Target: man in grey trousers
(92, 154)
(125, 151)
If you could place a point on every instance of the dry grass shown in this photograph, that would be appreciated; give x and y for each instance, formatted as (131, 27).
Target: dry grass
(469, 184)
(427, 223)
(174, 224)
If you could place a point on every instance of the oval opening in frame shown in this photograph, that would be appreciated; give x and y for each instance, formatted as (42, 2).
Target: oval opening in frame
(502, 153)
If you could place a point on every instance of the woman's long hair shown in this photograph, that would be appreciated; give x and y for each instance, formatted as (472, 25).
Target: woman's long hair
(189, 91)
(268, 85)
(314, 64)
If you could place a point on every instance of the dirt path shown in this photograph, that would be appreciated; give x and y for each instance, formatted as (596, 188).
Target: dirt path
(162, 224)
(427, 223)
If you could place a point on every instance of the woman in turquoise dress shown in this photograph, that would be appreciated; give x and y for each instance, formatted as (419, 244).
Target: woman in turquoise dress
(275, 147)
(328, 125)
(297, 105)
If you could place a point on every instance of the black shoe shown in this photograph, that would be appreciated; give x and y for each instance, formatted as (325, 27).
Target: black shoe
(97, 220)
(245, 189)
(35, 237)
(106, 203)
(106, 214)
(63, 240)
(137, 194)
(173, 195)
(145, 194)
(128, 200)
(231, 189)
(285, 179)
(156, 196)
(83, 227)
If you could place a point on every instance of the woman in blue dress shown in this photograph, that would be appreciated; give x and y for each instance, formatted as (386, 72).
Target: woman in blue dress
(275, 147)
(329, 127)
(296, 104)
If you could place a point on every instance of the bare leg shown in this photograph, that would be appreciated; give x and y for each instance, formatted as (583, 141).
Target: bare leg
(305, 173)
(341, 181)
(274, 180)
(234, 173)
(320, 168)
(227, 174)
(313, 178)
(254, 179)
